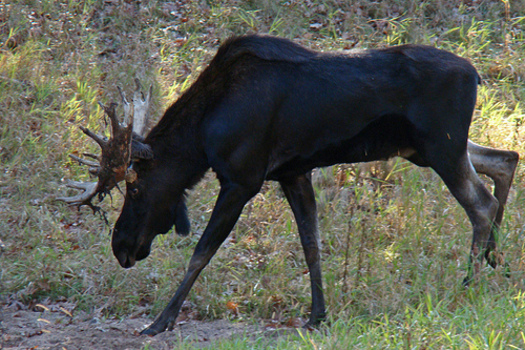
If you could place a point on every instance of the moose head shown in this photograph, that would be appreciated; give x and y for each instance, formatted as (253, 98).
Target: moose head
(125, 156)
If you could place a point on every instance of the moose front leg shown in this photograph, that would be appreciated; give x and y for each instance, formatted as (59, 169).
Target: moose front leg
(300, 195)
(230, 203)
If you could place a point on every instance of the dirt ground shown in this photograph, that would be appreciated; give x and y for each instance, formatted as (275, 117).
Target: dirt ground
(57, 327)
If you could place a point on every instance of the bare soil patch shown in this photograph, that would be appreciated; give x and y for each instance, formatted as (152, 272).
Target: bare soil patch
(59, 328)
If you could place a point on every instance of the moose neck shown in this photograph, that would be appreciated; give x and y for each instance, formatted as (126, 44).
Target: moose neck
(176, 138)
(176, 144)
(180, 156)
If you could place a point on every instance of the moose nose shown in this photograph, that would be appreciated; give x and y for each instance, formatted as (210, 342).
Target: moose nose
(125, 260)
(128, 263)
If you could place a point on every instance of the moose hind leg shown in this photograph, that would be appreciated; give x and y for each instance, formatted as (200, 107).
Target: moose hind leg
(479, 204)
(500, 166)
(300, 194)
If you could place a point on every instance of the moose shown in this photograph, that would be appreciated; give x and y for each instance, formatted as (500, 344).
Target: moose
(266, 108)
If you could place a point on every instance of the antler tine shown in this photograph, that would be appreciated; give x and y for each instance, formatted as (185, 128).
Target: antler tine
(112, 115)
(128, 108)
(94, 167)
(141, 105)
(90, 155)
(101, 140)
(84, 161)
(89, 191)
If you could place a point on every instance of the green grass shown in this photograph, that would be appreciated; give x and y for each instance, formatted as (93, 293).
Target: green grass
(395, 243)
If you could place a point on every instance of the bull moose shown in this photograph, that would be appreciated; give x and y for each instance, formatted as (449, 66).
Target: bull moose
(267, 108)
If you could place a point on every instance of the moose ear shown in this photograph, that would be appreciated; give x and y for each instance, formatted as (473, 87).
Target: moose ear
(140, 150)
(181, 221)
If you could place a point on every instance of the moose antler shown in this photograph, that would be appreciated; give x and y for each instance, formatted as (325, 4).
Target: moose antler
(116, 152)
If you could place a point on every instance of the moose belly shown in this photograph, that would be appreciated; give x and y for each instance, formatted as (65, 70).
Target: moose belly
(386, 137)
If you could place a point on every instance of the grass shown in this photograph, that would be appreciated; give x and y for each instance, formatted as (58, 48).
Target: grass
(395, 243)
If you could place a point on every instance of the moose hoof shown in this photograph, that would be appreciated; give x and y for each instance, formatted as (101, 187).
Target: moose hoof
(153, 330)
(150, 331)
(315, 322)
(159, 326)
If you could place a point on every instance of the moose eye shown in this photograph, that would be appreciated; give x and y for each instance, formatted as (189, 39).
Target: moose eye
(134, 191)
